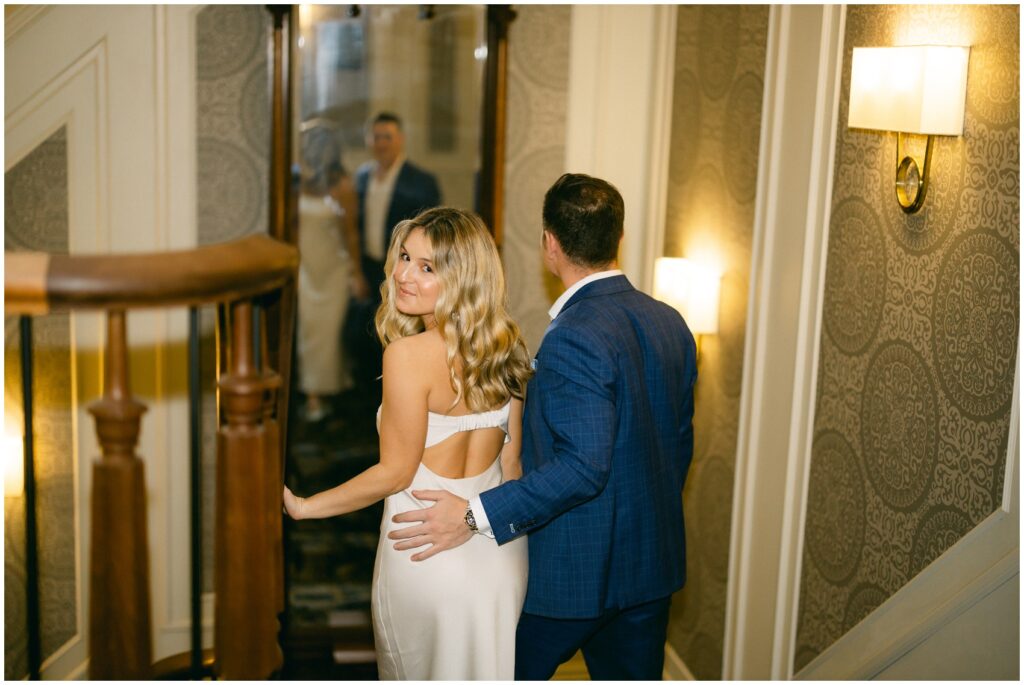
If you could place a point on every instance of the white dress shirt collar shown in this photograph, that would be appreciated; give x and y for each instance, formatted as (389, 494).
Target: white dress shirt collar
(391, 174)
(556, 308)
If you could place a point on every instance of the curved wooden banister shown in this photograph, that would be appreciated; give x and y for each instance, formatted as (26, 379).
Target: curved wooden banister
(249, 564)
(37, 283)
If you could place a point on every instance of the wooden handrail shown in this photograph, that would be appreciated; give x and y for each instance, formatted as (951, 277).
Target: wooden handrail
(248, 565)
(37, 283)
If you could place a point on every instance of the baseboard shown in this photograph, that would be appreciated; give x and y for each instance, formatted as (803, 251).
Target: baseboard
(675, 667)
(967, 572)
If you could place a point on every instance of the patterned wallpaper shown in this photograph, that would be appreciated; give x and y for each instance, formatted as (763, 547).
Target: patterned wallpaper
(232, 121)
(36, 218)
(233, 169)
(538, 84)
(918, 347)
(716, 120)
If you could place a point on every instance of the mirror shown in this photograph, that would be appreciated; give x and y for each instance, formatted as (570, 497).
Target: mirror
(423, 63)
(395, 108)
(389, 124)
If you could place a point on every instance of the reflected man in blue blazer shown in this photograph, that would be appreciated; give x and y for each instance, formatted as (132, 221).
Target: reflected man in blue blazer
(607, 441)
(390, 189)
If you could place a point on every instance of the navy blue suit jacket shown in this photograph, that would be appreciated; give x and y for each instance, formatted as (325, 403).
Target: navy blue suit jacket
(415, 190)
(607, 441)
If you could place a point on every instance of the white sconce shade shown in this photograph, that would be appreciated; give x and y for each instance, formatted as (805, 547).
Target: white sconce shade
(919, 89)
(692, 289)
(14, 476)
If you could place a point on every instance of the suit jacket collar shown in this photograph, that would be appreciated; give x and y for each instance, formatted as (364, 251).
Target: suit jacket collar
(600, 288)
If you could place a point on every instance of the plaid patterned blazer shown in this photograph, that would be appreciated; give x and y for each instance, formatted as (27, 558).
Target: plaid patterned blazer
(607, 441)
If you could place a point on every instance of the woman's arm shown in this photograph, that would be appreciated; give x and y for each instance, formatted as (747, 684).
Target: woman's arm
(403, 433)
(511, 466)
(345, 194)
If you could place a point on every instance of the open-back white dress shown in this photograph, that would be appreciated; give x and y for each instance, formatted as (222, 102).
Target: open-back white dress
(452, 616)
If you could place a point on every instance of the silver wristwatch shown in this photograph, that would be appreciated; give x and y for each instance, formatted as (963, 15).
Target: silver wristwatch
(470, 519)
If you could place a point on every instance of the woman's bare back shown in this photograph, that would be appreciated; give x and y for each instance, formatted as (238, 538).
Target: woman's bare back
(464, 454)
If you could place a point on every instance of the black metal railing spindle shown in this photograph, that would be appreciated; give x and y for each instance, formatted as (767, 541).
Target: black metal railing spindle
(31, 535)
(195, 462)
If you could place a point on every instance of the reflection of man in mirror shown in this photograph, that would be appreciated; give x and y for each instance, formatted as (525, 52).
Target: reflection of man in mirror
(390, 189)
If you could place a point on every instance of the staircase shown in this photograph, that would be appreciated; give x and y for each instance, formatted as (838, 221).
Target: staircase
(251, 283)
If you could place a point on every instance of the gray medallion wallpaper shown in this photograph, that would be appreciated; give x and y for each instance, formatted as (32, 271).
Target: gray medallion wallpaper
(233, 169)
(716, 123)
(918, 346)
(36, 218)
(538, 85)
(232, 121)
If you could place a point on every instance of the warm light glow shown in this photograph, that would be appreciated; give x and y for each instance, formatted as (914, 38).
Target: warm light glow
(692, 288)
(909, 89)
(480, 53)
(14, 476)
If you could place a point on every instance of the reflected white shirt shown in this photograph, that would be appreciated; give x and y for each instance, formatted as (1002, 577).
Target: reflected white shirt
(378, 200)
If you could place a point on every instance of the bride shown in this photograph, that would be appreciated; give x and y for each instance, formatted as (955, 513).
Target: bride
(455, 372)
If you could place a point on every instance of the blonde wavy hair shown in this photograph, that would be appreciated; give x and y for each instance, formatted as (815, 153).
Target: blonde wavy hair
(487, 358)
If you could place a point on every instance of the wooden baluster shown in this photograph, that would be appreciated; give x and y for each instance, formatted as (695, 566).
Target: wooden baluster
(272, 385)
(245, 635)
(120, 641)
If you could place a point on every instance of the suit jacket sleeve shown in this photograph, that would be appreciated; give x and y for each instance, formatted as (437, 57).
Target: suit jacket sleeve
(575, 387)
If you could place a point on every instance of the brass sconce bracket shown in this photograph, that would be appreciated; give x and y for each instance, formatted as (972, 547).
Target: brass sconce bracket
(911, 177)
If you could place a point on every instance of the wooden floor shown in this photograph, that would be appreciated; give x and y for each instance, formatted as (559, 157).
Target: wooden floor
(573, 669)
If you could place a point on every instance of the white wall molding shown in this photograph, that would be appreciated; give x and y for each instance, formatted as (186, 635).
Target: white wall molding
(619, 105)
(122, 79)
(967, 572)
(65, 90)
(20, 18)
(675, 667)
(812, 297)
(981, 561)
(659, 146)
(781, 347)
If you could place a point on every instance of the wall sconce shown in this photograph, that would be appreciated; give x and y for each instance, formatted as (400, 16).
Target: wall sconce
(692, 288)
(14, 474)
(910, 90)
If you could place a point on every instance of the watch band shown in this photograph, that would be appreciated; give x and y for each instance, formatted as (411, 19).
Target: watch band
(470, 519)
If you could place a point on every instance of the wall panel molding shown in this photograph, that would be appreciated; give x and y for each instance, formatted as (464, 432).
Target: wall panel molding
(792, 198)
(619, 94)
(812, 298)
(18, 19)
(122, 79)
(70, 95)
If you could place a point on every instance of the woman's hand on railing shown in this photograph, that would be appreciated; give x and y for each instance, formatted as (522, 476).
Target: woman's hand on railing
(293, 505)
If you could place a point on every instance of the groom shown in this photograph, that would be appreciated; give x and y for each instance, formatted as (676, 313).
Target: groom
(607, 440)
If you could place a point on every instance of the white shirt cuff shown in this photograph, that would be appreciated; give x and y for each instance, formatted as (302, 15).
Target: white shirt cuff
(483, 526)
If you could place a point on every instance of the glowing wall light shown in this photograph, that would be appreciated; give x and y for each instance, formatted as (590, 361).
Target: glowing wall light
(692, 288)
(14, 474)
(910, 90)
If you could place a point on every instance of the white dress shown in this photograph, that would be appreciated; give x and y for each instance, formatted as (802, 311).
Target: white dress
(452, 616)
(324, 273)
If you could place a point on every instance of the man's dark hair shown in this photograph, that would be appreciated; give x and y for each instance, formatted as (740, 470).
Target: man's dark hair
(386, 118)
(585, 214)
